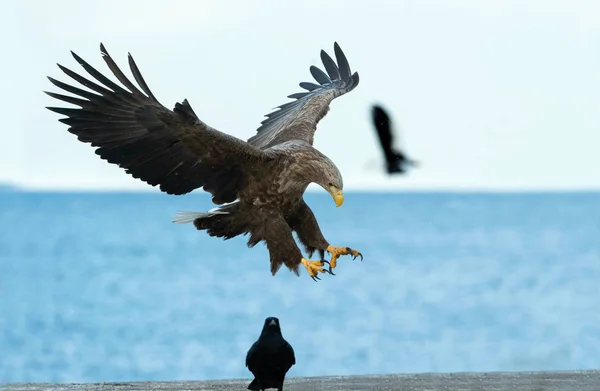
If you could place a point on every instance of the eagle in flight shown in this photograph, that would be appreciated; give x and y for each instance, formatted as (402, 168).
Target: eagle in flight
(258, 184)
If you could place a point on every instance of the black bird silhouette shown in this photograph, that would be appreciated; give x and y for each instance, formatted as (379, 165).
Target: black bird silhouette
(269, 358)
(396, 160)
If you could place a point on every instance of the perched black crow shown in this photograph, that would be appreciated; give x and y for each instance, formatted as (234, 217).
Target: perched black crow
(396, 160)
(269, 358)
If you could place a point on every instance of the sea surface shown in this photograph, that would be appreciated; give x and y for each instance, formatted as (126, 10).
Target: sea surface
(104, 287)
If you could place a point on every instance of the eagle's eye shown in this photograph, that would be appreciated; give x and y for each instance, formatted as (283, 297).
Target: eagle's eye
(330, 184)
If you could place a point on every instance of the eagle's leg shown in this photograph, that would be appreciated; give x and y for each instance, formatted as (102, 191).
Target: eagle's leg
(337, 251)
(314, 268)
(283, 249)
(303, 221)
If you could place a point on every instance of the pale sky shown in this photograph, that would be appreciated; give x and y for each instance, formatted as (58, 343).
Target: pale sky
(487, 94)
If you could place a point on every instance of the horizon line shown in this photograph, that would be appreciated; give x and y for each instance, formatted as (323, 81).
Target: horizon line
(8, 188)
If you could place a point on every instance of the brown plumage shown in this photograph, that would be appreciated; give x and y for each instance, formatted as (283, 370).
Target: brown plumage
(259, 183)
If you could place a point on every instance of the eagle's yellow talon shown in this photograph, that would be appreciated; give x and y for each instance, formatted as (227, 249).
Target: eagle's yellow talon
(337, 251)
(313, 268)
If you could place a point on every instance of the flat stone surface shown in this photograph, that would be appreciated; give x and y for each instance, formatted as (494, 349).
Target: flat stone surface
(491, 381)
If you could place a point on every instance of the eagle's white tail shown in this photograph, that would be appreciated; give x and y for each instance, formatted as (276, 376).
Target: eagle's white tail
(184, 217)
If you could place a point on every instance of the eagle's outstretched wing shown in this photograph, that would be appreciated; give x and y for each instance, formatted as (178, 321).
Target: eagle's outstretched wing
(298, 120)
(170, 148)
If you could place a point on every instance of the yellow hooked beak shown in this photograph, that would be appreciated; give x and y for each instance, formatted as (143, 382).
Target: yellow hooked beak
(337, 194)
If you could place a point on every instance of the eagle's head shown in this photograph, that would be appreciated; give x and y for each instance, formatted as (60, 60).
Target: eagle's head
(329, 178)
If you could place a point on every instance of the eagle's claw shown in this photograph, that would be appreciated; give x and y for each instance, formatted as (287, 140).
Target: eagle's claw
(328, 271)
(357, 255)
(336, 252)
(313, 268)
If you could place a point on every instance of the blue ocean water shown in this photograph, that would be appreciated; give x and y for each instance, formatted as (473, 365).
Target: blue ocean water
(103, 287)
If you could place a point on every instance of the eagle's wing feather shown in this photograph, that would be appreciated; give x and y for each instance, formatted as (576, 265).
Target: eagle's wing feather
(298, 120)
(170, 148)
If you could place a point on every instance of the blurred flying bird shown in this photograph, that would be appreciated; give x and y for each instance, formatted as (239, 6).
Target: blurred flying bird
(269, 358)
(395, 159)
(259, 184)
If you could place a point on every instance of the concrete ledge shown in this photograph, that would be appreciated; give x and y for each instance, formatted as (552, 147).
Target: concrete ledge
(492, 381)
